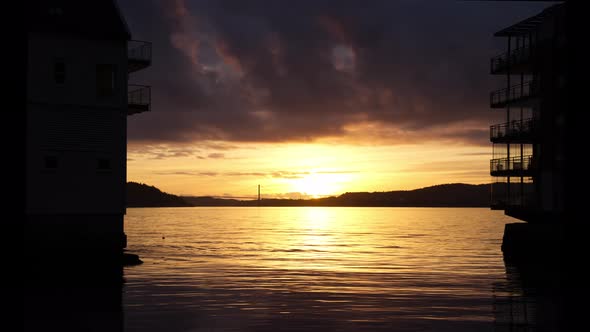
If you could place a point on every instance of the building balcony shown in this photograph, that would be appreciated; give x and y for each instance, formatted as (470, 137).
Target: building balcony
(516, 95)
(517, 61)
(513, 166)
(517, 131)
(516, 194)
(139, 55)
(516, 206)
(139, 98)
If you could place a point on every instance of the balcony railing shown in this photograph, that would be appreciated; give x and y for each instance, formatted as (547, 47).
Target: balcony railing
(520, 195)
(139, 98)
(515, 57)
(511, 166)
(139, 55)
(513, 131)
(516, 93)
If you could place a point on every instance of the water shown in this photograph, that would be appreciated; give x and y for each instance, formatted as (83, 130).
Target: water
(302, 269)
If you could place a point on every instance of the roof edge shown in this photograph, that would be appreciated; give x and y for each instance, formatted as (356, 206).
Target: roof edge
(528, 24)
(122, 17)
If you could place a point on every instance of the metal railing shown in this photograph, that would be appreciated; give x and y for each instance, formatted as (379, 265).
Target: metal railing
(519, 195)
(139, 50)
(139, 96)
(517, 163)
(516, 56)
(513, 129)
(514, 93)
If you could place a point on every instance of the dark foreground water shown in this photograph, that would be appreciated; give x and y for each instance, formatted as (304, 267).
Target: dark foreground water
(304, 269)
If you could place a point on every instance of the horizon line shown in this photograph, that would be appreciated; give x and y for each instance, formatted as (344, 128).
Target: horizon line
(309, 197)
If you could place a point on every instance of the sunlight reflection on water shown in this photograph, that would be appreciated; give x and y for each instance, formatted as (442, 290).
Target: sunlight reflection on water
(308, 268)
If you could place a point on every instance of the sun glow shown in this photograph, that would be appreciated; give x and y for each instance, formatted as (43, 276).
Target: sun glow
(302, 170)
(318, 184)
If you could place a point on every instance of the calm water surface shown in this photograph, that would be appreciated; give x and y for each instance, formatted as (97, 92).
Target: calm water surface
(330, 269)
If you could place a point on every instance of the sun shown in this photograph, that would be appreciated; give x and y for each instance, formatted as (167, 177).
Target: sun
(318, 184)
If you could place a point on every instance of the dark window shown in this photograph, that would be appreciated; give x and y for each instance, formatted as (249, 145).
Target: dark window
(59, 72)
(103, 164)
(51, 162)
(105, 80)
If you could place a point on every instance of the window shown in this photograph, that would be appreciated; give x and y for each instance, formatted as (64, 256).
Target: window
(103, 164)
(59, 72)
(51, 162)
(105, 80)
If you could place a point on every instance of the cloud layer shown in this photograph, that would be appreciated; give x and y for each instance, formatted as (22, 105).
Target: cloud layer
(276, 71)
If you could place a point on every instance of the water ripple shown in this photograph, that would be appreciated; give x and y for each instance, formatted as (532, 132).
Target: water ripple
(344, 269)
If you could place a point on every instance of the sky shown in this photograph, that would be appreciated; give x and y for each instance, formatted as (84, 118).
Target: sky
(315, 98)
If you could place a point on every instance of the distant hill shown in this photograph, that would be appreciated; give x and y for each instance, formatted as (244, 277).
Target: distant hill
(445, 195)
(452, 195)
(212, 201)
(142, 195)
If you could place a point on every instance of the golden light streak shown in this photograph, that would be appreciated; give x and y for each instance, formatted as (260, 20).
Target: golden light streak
(299, 170)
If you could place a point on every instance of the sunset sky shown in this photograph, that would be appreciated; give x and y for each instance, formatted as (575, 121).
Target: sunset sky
(313, 98)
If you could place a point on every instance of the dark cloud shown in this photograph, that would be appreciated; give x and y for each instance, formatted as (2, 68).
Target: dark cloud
(289, 175)
(216, 155)
(162, 151)
(299, 70)
(245, 174)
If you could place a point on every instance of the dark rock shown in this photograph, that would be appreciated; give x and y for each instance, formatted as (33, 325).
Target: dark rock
(131, 259)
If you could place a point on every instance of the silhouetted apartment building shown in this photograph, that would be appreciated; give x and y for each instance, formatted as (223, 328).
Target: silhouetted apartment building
(80, 59)
(529, 146)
